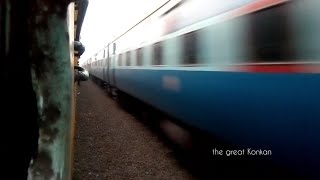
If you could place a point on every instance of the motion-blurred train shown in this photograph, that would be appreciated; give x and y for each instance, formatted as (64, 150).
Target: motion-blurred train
(247, 71)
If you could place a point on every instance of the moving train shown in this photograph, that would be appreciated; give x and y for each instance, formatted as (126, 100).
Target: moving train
(246, 71)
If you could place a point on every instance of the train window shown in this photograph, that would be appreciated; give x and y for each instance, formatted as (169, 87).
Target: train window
(128, 58)
(157, 54)
(270, 33)
(139, 57)
(190, 46)
(114, 48)
(119, 60)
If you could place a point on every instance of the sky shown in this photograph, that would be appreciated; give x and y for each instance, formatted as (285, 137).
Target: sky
(106, 19)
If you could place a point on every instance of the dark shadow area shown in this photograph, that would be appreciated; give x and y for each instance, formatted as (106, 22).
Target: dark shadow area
(19, 113)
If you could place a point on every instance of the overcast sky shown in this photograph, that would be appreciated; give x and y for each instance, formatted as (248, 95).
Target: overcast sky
(106, 19)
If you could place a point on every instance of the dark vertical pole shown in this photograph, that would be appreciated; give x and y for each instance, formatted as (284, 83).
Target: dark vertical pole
(36, 90)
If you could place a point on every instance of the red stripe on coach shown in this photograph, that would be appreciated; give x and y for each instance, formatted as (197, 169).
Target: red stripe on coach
(255, 6)
(278, 68)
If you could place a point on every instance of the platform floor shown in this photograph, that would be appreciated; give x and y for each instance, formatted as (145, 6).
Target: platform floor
(110, 143)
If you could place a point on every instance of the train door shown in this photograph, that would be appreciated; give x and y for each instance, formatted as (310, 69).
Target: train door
(112, 65)
(104, 66)
(108, 67)
(113, 62)
(114, 70)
